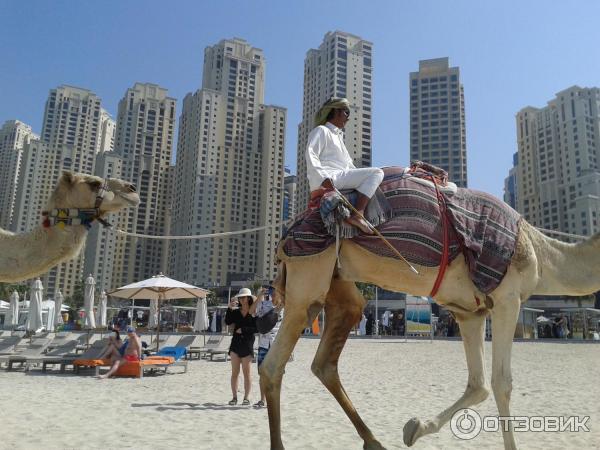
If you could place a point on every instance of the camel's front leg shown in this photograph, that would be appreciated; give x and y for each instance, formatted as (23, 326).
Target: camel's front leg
(504, 321)
(271, 370)
(343, 310)
(472, 329)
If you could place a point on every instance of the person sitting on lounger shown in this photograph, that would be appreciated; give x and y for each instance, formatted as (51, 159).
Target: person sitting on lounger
(129, 351)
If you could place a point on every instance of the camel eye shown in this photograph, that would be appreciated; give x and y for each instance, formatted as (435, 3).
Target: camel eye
(95, 185)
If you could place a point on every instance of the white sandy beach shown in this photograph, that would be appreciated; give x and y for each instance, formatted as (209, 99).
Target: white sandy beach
(389, 381)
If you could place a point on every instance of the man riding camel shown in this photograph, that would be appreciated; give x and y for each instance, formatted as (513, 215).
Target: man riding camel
(329, 164)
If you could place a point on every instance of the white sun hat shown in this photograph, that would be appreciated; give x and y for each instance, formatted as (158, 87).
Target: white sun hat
(245, 292)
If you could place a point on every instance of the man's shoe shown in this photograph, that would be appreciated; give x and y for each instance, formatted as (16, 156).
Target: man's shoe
(359, 223)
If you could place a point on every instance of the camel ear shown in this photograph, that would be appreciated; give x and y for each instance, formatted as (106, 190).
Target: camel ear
(68, 177)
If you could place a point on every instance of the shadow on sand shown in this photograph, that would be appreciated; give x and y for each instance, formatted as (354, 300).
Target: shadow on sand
(186, 406)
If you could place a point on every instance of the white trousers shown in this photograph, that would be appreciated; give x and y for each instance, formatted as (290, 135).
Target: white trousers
(365, 180)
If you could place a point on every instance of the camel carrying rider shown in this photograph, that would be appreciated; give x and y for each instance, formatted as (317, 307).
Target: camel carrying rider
(329, 164)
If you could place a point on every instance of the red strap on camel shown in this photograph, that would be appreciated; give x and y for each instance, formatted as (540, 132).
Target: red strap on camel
(445, 242)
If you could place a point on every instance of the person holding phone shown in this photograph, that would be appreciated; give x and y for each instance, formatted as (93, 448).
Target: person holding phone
(241, 350)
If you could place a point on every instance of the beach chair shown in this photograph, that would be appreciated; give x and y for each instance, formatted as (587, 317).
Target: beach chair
(221, 350)
(94, 352)
(164, 340)
(85, 342)
(8, 344)
(60, 339)
(137, 369)
(35, 349)
(212, 343)
(187, 342)
(32, 359)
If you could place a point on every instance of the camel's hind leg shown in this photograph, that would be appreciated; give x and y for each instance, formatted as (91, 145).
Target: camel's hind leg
(343, 309)
(504, 320)
(472, 328)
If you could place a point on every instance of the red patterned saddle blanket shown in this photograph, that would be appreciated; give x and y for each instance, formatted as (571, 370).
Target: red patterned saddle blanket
(483, 228)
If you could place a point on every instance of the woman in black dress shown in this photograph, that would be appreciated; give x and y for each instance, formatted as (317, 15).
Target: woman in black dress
(241, 350)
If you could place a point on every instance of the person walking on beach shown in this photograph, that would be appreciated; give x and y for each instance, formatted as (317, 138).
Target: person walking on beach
(329, 164)
(241, 350)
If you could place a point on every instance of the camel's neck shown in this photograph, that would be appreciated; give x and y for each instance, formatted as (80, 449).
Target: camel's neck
(32, 254)
(567, 269)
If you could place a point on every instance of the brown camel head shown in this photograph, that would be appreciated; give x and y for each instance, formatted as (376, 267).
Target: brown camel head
(75, 190)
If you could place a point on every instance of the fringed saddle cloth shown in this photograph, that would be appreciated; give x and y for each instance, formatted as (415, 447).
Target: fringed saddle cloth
(406, 212)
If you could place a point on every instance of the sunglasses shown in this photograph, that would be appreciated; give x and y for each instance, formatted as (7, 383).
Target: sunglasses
(346, 113)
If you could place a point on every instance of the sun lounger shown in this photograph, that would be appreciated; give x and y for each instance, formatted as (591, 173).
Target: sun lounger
(33, 359)
(168, 340)
(212, 343)
(94, 352)
(33, 350)
(8, 344)
(137, 368)
(187, 342)
(60, 339)
(176, 353)
(221, 350)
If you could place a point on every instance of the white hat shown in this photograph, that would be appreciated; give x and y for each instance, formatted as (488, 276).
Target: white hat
(245, 292)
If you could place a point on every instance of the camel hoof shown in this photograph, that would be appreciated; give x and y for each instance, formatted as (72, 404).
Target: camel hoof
(373, 445)
(410, 430)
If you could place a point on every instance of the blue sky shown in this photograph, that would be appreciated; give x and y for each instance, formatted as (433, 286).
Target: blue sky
(511, 54)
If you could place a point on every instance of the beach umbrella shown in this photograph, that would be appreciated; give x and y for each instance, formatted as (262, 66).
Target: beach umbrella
(34, 318)
(49, 306)
(161, 288)
(58, 305)
(88, 302)
(153, 317)
(201, 322)
(101, 311)
(213, 322)
(14, 309)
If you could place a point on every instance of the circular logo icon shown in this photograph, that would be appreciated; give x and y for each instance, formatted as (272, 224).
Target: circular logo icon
(465, 424)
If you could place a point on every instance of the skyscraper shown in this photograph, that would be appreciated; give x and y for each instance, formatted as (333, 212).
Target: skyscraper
(144, 143)
(510, 183)
(289, 187)
(557, 173)
(229, 171)
(69, 141)
(437, 118)
(106, 142)
(13, 136)
(340, 67)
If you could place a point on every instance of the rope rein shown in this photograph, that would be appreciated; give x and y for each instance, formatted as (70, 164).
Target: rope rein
(252, 230)
(198, 236)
